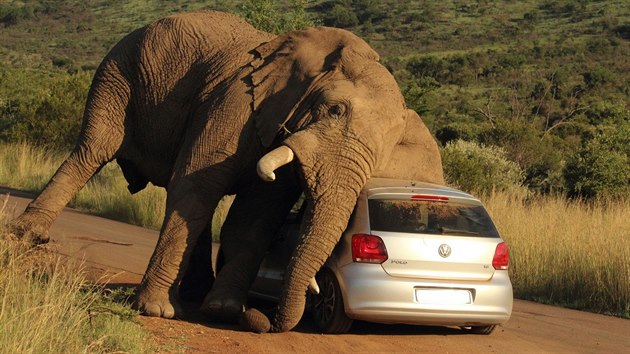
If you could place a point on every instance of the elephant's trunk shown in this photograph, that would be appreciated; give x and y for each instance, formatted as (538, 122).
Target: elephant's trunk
(273, 160)
(332, 182)
(323, 228)
(332, 188)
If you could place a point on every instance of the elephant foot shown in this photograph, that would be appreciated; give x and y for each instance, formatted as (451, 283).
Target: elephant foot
(223, 309)
(31, 226)
(157, 304)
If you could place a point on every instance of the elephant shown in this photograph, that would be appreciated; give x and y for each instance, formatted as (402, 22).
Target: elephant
(205, 105)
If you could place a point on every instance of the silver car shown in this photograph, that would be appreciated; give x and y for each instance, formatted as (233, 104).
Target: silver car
(413, 253)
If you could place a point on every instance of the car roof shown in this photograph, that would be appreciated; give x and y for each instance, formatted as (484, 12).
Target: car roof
(376, 186)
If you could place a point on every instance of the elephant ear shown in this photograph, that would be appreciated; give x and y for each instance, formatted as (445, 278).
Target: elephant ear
(286, 68)
(416, 156)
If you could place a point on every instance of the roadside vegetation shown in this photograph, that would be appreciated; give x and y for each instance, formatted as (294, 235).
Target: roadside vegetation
(567, 252)
(529, 102)
(48, 306)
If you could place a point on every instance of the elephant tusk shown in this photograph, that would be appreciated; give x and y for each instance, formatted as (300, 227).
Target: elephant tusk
(312, 286)
(273, 160)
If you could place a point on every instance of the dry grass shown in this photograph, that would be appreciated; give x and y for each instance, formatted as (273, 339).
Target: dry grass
(570, 253)
(563, 252)
(29, 168)
(47, 306)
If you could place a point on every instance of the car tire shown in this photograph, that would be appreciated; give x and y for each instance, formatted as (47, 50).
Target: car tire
(327, 306)
(480, 329)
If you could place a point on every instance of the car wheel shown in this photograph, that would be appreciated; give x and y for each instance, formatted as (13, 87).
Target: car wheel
(480, 329)
(328, 311)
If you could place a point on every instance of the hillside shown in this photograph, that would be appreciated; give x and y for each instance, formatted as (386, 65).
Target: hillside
(544, 80)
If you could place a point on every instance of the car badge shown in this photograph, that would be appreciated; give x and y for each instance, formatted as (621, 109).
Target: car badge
(444, 250)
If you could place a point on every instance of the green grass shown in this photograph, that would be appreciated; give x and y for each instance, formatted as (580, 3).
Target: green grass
(48, 306)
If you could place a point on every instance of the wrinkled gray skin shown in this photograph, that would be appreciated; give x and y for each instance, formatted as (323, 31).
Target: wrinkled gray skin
(192, 102)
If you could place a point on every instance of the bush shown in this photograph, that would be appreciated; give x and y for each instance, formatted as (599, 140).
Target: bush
(601, 167)
(342, 16)
(539, 156)
(598, 77)
(479, 169)
(458, 131)
(50, 115)
(427, 66)
(415, 92)
(266, 16)
(12, 14)
(601, 112)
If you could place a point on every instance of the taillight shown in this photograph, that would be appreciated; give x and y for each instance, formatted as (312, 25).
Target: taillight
(501, 258)
(368, 249)
(436, 198)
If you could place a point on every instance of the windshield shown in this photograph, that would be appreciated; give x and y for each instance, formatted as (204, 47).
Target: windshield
(430, 217)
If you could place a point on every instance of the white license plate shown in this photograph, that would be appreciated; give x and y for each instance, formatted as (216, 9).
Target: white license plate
(443, 296)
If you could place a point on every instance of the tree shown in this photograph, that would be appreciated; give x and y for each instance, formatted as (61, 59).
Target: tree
(601, 167)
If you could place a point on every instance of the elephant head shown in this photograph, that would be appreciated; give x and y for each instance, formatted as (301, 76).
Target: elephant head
(323, 99)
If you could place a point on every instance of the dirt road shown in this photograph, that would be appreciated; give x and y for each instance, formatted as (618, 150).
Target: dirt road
(123, 249)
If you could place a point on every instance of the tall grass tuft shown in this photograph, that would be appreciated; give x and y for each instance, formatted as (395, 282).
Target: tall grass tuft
(29, 168)
(106, 194)
(570, 253)
(26, 167)
(47, 306)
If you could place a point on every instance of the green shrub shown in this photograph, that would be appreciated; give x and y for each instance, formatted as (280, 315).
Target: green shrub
(458, 131)
(598, 77)
(265, 15)
(50, 114)
(601, 167)
(601, 112)
(427, 66)
(479, 169)
(342, 16)
(538, 155)
(366, 10)
(415, 93)
(12, 14)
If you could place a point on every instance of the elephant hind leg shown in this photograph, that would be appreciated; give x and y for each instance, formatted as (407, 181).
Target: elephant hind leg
(199, 277)
(101, 138)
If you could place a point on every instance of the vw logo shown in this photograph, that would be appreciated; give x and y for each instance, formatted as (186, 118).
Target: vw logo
(444, 250)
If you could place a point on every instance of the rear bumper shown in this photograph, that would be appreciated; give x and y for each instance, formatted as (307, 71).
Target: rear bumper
(372, 295)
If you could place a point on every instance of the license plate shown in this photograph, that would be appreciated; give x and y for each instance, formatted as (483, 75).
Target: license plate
(443, 296)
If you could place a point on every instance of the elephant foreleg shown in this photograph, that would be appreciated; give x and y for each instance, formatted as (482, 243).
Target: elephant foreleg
(101, 138)
(187, 213)
(253, 220)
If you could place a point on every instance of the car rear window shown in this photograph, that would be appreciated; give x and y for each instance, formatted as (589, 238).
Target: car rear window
(430, 217)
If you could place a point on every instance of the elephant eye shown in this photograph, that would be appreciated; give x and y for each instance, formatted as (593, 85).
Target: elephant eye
(335, 111)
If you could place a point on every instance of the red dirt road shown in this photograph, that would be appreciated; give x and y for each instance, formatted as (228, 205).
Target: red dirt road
(116, 247)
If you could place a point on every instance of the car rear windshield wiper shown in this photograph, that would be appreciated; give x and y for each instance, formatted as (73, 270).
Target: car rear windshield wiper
(447, 231)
